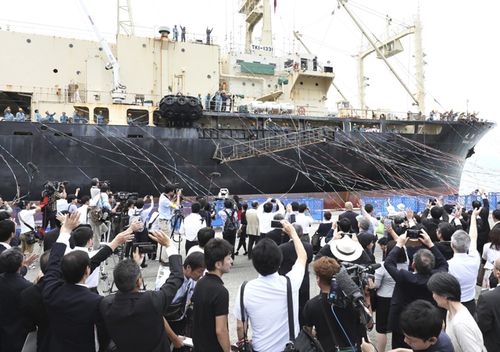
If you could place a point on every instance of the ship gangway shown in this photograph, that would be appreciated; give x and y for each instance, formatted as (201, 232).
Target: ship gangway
(263, 146)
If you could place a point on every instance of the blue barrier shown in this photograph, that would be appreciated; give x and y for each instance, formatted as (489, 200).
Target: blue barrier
(315, 205)
(419, 203)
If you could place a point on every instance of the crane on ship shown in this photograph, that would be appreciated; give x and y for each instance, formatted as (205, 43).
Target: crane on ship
(118, 93)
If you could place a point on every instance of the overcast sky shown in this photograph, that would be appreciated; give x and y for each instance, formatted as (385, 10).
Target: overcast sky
(459, 40)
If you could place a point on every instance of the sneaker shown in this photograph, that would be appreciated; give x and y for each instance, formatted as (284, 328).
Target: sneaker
(246, 253)
(236, 253)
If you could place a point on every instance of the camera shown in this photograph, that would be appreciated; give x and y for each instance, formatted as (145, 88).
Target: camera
(145, 247)
(276, 224)
(50, 187)
(413, 234)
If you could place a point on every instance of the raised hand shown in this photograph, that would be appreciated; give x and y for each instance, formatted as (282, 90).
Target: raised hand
(161, 238)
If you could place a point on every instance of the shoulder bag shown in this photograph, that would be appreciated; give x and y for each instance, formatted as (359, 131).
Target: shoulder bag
(304, 342)
(30, 237)
(245, 345)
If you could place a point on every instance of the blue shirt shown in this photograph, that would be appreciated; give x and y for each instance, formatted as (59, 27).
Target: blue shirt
(103, 201)
(165, 207)
(100, 119)
(63, 118)
(8, 116)
(443, 344)
(76, 118)
(38, 117)
(20, 116)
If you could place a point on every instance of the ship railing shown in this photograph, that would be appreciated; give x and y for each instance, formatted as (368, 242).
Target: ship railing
(258, 147)
(379, 114)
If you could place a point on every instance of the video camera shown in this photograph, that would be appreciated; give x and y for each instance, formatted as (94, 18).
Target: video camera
(122, 196)
(50, 187)
(347, 286)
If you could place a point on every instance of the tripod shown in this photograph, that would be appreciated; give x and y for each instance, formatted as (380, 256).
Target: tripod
(175, 222)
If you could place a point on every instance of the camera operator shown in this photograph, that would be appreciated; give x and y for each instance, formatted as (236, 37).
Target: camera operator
(335, 326)
(170, 201)
(207, 211)
(99, 201)
(51, 193)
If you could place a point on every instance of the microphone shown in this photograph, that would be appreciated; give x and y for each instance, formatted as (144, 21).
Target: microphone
(349, 288)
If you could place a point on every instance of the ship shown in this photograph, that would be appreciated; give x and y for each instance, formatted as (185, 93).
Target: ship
(171, 110)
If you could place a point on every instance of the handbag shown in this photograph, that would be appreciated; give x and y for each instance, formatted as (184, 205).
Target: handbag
(98, 214)
(304, 342)
(29, 237)
(480, 275)
(245, 345)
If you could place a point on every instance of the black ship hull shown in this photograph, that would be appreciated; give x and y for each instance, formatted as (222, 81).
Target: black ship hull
(142, 159)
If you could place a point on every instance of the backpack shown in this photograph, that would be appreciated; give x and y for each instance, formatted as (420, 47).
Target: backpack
(230, 226)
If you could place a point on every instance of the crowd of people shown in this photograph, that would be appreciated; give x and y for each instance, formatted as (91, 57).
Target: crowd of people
(423, 292)
(78, 117)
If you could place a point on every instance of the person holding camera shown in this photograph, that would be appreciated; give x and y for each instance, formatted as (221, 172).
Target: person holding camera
(134, 319)
(335, 326)
(170, 201)
(411, 286)
(28, 231)
(191, 225)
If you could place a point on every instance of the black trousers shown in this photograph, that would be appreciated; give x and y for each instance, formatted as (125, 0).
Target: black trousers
(231, 238)
(471, 306)
(252, 240)
(49, 217)
(190, 244)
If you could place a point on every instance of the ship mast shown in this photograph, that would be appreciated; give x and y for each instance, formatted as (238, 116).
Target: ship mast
(125, 21)
(255, 11)
(118, 93)
(381, 55)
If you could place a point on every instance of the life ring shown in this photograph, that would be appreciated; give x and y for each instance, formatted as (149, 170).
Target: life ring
(301, 110)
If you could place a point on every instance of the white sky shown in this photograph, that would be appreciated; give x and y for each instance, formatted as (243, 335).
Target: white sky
(459, 40)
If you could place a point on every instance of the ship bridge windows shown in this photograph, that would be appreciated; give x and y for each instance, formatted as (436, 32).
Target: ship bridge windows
(400, 128)
(429, 129)
(137, 117)
(101, 116)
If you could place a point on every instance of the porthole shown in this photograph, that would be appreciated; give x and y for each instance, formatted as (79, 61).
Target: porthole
(28, 40)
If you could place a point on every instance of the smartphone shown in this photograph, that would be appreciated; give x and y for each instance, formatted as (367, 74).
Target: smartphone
(276, 224)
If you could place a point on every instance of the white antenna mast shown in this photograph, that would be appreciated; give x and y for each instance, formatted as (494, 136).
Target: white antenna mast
(125, 21)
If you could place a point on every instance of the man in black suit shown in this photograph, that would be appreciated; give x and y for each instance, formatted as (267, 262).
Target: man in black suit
(32, 304)
(276, 234)
(488, 314)
(13, 331)
(289, 258)
(7, 232)
(73, 308)
(411, 286)
(351, 215)
(431, 225)
(134, 319)
(483, 226)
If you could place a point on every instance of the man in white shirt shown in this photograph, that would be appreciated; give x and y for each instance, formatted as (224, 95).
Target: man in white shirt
(253, 233)
(168, 203)
(465, 262)
(266, 214)
(204, 235)
(191, 225)
(27, 220)
(304, 220)
(84, 210)
(265, 298)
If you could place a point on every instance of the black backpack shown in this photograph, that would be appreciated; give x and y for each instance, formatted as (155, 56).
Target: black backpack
(230, 226)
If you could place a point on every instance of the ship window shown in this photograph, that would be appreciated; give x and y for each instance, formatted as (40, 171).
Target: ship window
(78, 72)
(144, 45)
(101, 111)
(397, 128)
(135, 136)
(183, 50)
(208, 76)
(28, 40)
(55, 70)
(253, 84)
(429, 129)
(316, 84)
(100, 48)
(70, 45)
(301, 83)
(244, 83)
(268, 86)
(22, 133)
(137, 117)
